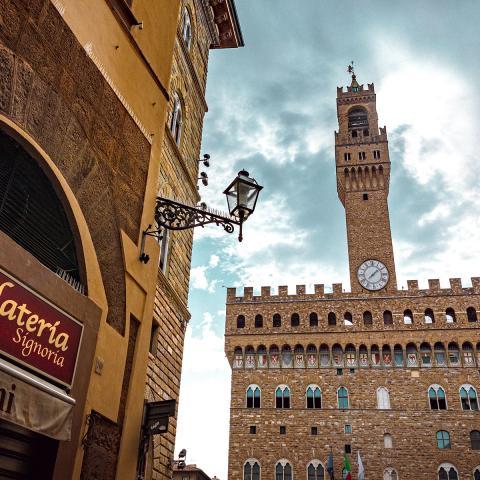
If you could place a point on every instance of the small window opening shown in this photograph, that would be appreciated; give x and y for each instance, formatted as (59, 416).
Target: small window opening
(283, 429)
(347, 428)
(314, 431)
(348, 448)
(339, 371)
(253, 429)
(154, 337)
(365, 196)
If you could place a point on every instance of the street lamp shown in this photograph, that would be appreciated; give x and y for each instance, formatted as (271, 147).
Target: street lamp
(242, 195)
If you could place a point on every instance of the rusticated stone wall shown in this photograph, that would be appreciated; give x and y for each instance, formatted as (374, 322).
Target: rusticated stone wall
(51, 88)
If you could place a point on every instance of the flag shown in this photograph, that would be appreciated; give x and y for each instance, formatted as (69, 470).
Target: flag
(346, 468)
(330, 466)
(361, 470)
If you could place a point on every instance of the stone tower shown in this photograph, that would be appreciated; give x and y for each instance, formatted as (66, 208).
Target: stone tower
(363, 174)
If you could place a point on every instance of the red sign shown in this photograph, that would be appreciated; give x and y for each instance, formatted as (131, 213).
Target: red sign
(37, 333)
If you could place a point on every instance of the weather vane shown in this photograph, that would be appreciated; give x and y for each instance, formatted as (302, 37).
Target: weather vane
(350, 68)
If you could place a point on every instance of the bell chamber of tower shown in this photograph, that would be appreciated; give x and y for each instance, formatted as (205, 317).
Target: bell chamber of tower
(363, 175)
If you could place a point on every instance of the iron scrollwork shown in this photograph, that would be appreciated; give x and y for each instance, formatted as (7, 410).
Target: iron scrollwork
(173, 215)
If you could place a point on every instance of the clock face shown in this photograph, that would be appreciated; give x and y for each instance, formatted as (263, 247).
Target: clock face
(372, 275)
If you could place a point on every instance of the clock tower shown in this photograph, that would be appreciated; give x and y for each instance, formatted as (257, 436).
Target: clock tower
(363, 174)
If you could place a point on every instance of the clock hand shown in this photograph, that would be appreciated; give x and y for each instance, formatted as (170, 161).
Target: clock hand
(372, 275)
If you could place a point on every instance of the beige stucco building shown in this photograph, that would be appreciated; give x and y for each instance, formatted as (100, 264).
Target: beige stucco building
(390, 373)
(101, 109)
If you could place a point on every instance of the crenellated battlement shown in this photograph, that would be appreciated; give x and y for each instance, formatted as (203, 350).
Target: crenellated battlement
(336, 292)
(361, 88)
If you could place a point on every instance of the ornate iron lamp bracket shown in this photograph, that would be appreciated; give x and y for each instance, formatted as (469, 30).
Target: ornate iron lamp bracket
(173, 215)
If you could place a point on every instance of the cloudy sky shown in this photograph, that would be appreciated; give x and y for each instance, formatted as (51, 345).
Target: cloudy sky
(272, 111)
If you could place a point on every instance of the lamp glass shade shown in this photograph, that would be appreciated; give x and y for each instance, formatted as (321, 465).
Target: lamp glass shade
(242, 195)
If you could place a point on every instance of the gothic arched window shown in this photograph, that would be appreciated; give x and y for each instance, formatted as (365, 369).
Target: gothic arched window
(446, 471)
(387, 441)
(277, 320)
(408, 317)
(258, 321)
(429, 316)
(176, 122)
(315, 470)
(437, 398)
(313, 319)
(283, 470)
(468, 397)
(253, 396)
(187, 28)
(439, 353)
(282, 397)
(314, 396)
(383, 399)
(347, 319)
(390, 474)
(251, 469)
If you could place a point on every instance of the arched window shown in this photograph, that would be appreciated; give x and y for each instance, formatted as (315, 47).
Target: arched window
(277, 320)
(342, 398)
(350, 356)
(324, 355)
(453, 354)
(295, 320)
(475, 439)
(332, 319)
(337, 355)
(443, 439)
(187, 29)
(283, 470)
(386, 356)
(253, 396)
(274, 355)
(426, 354)
(282, 397)
(468, 358)
(383, 399)
(446, 471)
(450, 315)
(347, 319)
(32, 215)
(471, 314)
(262, 357)
(363, 356)
(315, 470)
(357, 119)
(313, 319)
(429, 316)
(398, 355)
(407, 317)
(258, 321)
(251, 469)
(367, 318)
(476, 473)
(299, 356)
(387, 317)
(287, 357)
(314, 396)
(439, 352)
(390, 474)
(240, 321)
(176, 122)
(250, 357)
(238, 357)
(387, 441)
(412, 358)
(375, 355)
(312, 357)
(468, 397)
(437, 398)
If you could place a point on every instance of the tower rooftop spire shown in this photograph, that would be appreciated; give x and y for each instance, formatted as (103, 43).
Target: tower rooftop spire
(351, 70)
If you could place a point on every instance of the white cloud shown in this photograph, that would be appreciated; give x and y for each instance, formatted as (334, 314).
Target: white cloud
(198, 279)
(213, 262)
(203, 415)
